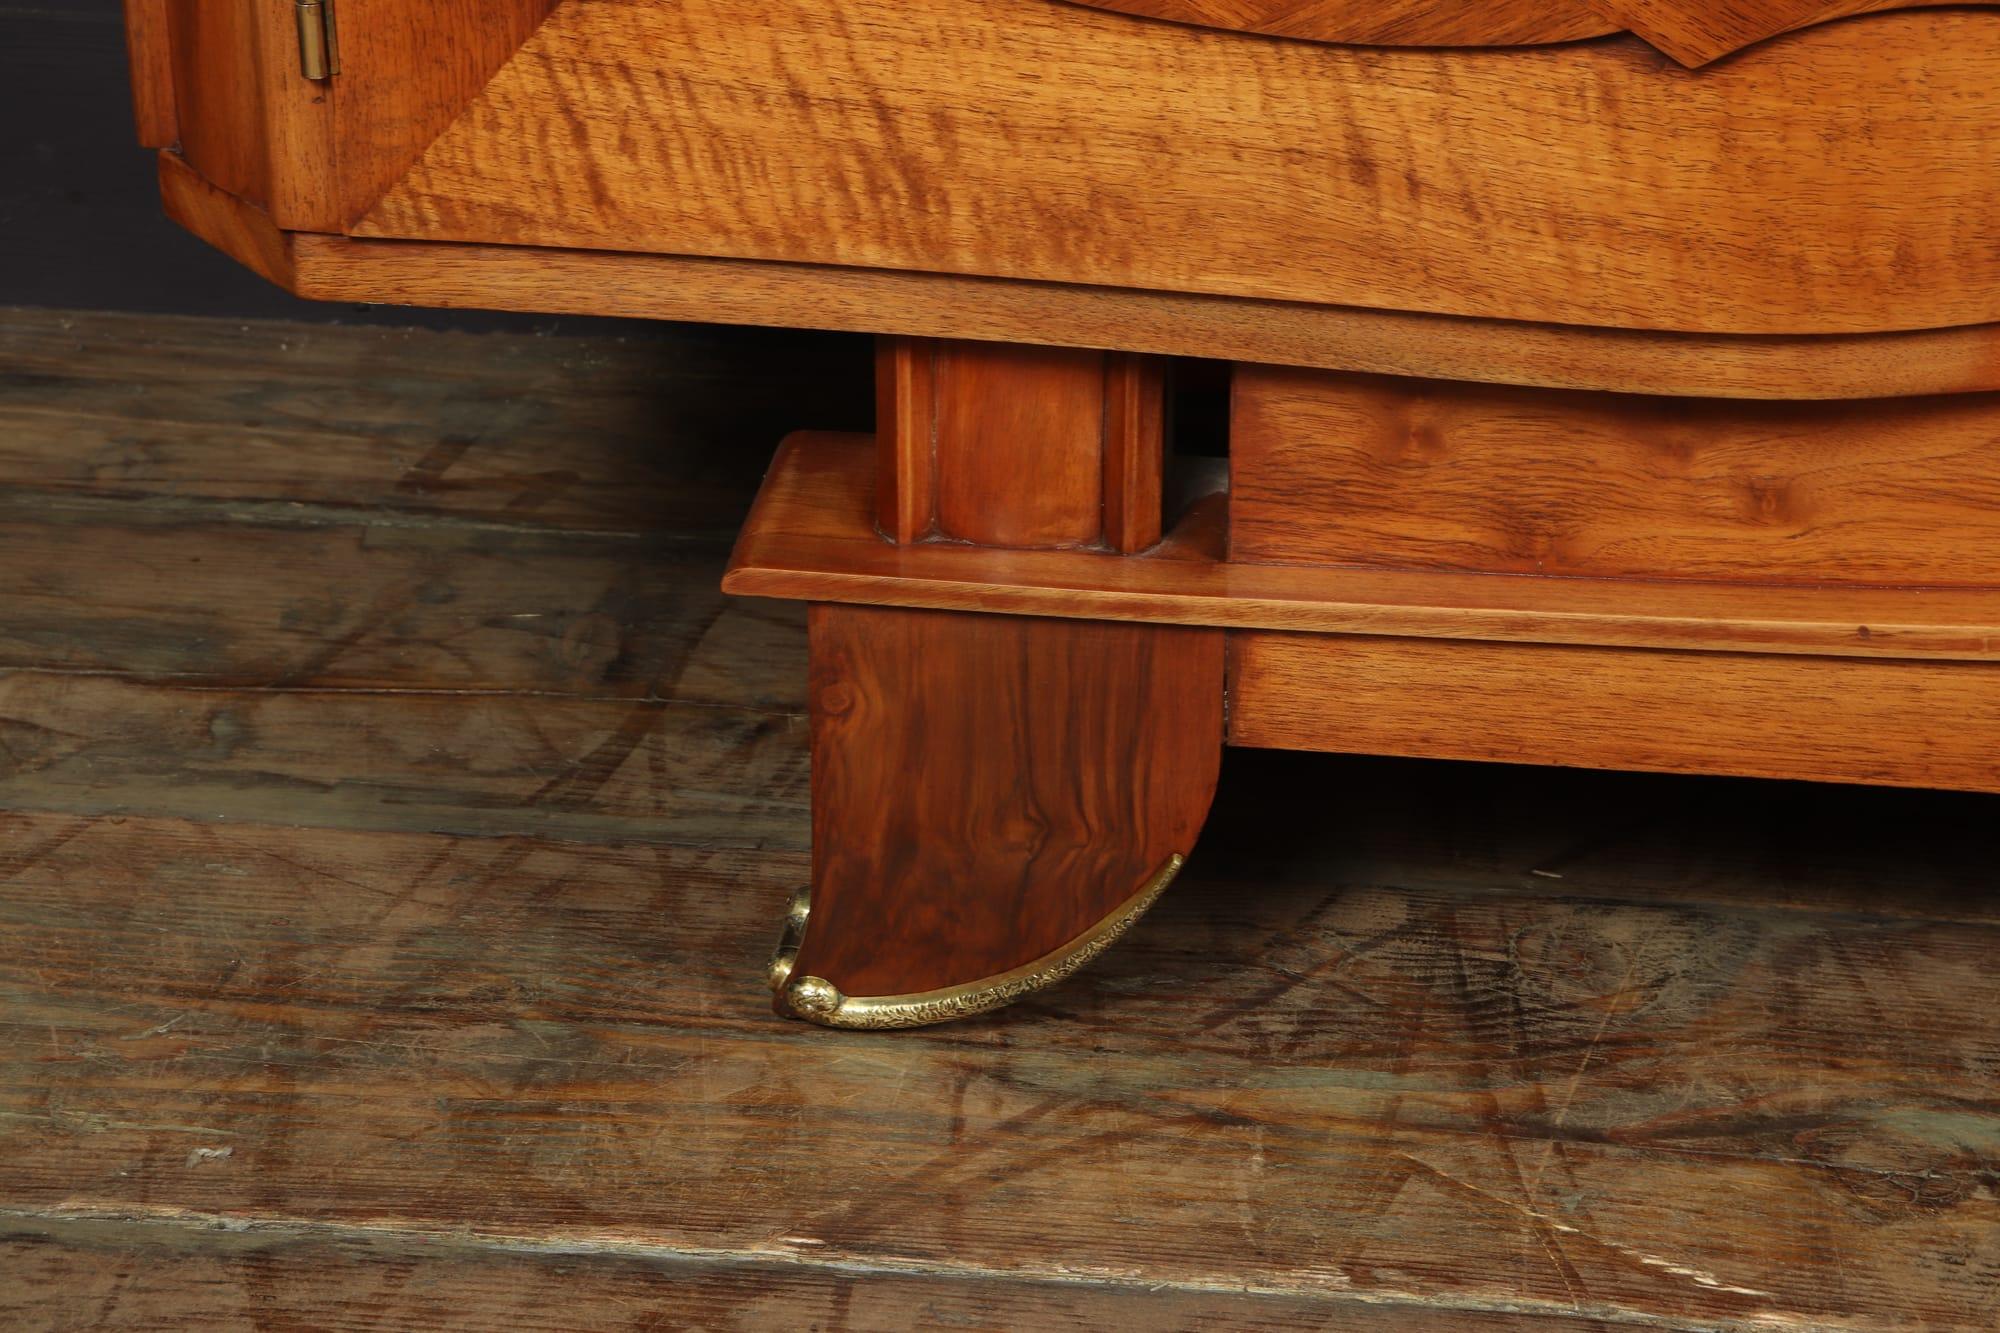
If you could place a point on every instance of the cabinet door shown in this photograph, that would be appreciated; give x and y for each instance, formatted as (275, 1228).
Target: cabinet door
(223, 81)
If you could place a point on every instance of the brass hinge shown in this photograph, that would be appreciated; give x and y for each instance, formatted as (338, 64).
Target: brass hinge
(319, 41)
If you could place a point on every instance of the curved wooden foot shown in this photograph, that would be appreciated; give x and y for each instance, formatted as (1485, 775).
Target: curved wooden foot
(996, 799)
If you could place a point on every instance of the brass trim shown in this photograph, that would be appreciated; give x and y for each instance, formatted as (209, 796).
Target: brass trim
(817, 1000)
(786, 956)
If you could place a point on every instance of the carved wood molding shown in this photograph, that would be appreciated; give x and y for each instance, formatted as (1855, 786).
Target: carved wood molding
(1693, 32)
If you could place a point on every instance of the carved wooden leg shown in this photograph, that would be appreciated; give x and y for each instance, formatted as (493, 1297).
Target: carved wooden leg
(995, 799)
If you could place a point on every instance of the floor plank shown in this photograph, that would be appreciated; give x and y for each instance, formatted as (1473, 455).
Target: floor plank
(121, 1276)
(240, 603)
(1610, 1109)
(657, 437)
(476, 764)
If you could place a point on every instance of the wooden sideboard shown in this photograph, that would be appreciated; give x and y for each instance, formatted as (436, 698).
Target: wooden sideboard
(1611, 383)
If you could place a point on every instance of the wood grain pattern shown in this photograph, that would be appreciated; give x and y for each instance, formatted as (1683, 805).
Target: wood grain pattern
(152, 468)
(248, 123)
(340, 604)
(906, 438)
(409, 67)
(723, 291)
(1751, 201)
(1905, 724)
(1465, 1100)
(657, 443)
(475, 763)
(149, 48)
(811, 537)
(1961, 360)
(1019, 445)
(986, 789)
(1135, 452)
(1414, 474)
(109, 1275)
(241, 553)
(218, 55)
(229, 222)
(1693, 32)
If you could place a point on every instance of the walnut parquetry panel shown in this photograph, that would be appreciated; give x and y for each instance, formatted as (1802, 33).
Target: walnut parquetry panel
(409, 69)
(1693, 32)
(1840, 180)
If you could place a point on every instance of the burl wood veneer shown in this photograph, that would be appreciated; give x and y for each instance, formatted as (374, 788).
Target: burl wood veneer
(1615, 383)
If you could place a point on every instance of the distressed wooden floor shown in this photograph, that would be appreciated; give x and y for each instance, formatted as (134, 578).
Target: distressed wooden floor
(394, 821)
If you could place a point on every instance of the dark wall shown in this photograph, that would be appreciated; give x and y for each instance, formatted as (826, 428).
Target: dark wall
(80, 223)
(78, 207)
(80, 219)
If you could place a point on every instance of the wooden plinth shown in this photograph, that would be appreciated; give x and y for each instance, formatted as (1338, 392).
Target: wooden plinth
(1399, 567)
(811, 537)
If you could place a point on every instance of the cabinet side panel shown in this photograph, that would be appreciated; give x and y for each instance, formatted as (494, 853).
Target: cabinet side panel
(150, 51)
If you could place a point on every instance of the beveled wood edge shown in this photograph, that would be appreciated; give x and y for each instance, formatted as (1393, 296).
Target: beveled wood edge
(231, 224)
(1526, 23)
(1681, 36)
(811, 537)
(762, 292)
(934, 305)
